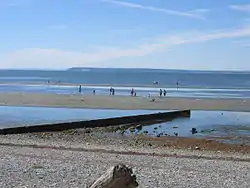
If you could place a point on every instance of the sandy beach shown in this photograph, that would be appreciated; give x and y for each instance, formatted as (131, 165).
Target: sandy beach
(121, 102)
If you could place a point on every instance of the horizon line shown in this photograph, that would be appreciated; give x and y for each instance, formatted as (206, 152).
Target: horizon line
(124, 68)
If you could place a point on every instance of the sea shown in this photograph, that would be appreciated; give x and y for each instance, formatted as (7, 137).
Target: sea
(191, 84)
(225, 84)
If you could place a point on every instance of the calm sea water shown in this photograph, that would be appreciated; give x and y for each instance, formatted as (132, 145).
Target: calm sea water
(16, 116)
(168, 78)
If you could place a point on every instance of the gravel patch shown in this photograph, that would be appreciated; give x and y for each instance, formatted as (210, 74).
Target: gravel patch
(29, 167)
(24, 164)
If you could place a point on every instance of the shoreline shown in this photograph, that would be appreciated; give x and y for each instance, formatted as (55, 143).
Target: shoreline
(103, 139)
(155, 86)
(121, 102)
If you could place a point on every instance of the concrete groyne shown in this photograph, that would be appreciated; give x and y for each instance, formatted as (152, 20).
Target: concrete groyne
(163, 116)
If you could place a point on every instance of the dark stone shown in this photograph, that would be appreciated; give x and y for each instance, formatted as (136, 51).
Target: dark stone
(139, 127)
(87, 131)
(159, 135)
(194, 131)
(132, 129)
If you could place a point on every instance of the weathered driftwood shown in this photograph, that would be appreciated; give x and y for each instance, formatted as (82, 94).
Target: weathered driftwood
(119, 176)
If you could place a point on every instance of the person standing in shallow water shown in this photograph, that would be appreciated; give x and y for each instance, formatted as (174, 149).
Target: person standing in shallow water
(80, 88)
(110, 91)
(132, 92)
(113, 91)
(160, 92)
(164, 92)
(94, 92)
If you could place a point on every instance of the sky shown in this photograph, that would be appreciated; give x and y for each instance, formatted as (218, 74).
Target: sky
(167, 34)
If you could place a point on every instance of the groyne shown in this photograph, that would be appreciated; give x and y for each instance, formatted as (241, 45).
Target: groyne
(139, 119)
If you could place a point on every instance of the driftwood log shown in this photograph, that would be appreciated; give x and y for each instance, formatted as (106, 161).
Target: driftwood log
(119, 176)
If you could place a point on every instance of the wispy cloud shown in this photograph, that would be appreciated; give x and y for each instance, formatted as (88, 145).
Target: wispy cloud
(60, 58)
(197, 14)
(241, 43)
(243, 8)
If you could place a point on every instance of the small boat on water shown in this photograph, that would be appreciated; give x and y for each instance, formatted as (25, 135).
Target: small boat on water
(155, 82)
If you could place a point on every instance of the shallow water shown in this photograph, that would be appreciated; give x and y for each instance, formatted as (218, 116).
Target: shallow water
(233, 127)
(222, 125)
(12, 116)
(141, 91)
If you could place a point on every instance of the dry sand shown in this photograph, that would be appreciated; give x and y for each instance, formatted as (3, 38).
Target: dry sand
(121, 102)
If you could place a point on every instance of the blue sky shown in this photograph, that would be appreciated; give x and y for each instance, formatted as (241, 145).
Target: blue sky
(180, 34)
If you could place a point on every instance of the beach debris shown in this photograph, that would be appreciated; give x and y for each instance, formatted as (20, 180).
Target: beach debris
(155, 128)
(87, 131)
(37, 166)
(145, 132)
(122, 132)
(197, 148)
(194, 131)
(139, 127)
(69, 131)
(204, 131)
(132, 129)
(159, 135)
(152, 100)
(175, 127)
(117, 176)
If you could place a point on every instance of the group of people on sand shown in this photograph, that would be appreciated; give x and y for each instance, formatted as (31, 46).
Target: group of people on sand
(162, 92)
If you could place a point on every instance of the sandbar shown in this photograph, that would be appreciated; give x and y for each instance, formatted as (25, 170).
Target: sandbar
(121, 102)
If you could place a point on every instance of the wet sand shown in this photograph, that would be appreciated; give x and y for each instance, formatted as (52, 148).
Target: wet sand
(121, 102)
(114, 85)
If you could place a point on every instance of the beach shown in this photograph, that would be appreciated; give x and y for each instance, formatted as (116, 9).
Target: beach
(121, 102)
(27, 167)
(75, 158)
